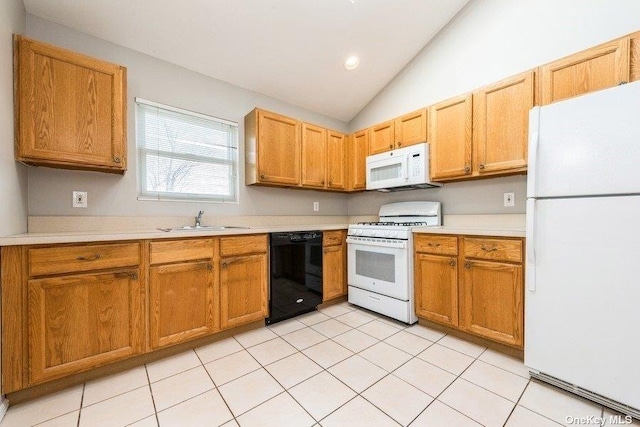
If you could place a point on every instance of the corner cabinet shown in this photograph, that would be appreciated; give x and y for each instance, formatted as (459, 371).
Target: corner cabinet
(70, 109)
(244, 279)
(334, 264)
(474, 284)
(183, 291)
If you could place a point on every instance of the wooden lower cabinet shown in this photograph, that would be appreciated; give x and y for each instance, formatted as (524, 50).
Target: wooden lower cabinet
(474, 284)
(183, 302)
(82, 321)
(437, 294)
(244, 280)
(334, 265)
(492, 304)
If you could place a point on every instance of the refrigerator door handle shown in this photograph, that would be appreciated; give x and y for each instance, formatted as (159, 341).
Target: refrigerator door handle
(532, 162)
(531, 245)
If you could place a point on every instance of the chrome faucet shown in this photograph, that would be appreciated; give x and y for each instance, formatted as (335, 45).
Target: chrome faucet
(199, 218)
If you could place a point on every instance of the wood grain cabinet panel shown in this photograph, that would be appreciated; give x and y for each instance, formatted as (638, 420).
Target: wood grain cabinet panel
(450, 135)
(336, 160)
(183, 302)
(411, 128)
(436, 288)
(435, 244)
(600, 67)
(501, 125)
(241, 245)
(83, 321)
(334, 264)
(492, 301)
(358, 152)
(634, 59)
(314, 156)
(381, 137)
(70, 109)
(165, 251)
(243, 289)
(71, 259)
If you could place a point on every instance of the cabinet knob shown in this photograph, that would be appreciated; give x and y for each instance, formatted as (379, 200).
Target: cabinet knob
(481, 166)
(452, 263)
(399, 144)
(467, 169)
(390, 147)
(116, 159)
(225, 265)
(467, 265)
(262, 177)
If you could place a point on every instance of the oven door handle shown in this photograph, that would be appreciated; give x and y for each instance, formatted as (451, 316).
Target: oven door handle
(380, 243)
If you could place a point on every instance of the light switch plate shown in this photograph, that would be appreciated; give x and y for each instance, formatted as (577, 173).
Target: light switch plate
(509, 200)
(80, 199)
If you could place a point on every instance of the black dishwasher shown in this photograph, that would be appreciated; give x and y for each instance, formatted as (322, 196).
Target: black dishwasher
(295, 283)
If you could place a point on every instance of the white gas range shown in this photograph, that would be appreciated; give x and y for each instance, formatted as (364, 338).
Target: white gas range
(380, 258)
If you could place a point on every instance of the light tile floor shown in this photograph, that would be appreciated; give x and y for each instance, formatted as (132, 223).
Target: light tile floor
(341, 366)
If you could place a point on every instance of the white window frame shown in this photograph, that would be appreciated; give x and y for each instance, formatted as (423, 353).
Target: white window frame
(142, 153)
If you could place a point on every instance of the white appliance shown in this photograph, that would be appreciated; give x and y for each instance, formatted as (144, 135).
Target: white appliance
(401, 169)
(582, 304)
(380, 258)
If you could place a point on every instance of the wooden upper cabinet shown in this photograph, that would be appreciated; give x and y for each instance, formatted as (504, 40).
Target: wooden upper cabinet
(597, 68)
(272, 149)
(634, 57)
(314, 155)
(501, 125)
(358, 152)
(450, 135)
(70, 109)
(411, 128)
(336, 160)
(382, 137)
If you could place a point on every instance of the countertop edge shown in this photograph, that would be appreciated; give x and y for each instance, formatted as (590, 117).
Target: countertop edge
(471, 231)
(99, 236)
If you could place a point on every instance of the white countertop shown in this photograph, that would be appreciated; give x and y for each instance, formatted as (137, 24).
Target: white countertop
(474, 231)
(102, 236)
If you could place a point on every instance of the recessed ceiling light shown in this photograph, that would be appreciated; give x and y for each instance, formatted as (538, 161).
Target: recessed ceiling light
(351, 62)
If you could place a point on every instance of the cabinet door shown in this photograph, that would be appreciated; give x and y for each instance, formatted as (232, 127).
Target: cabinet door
(83, 321)
(243, 289)
(336, 164)
(436, 288)
(382, 138)
(314, 155)
(450, 136)
(71, 109)
(492, 301)
(357, 160)
(182, 304)
(634, 57)
(278, 149)
(501, 125)
(334, 265)
(411, 128)
(597, 68)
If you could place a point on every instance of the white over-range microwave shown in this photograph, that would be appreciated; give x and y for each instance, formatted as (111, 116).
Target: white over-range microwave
(401, 169)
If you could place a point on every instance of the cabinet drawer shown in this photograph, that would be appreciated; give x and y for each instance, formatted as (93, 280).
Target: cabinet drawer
(332, 238)
(68, 259)
(445, 245)
(180, 250)
(493, 249)
(239, 245)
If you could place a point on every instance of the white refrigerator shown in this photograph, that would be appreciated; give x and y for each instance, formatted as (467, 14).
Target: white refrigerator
(582, 299)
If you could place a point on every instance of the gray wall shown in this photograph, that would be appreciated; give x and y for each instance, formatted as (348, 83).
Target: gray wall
(13, 176)
(487, 41)
(156, 80)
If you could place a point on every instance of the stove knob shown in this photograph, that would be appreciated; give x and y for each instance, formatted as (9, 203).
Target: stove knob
(387, 233)
(373, 233)
(393, 234)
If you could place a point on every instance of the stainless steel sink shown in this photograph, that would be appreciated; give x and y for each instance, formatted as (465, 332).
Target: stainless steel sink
(202, 228)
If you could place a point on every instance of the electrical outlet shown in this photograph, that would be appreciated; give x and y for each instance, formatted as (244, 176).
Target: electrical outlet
(316, 206)
(79, 199)
(509, 199)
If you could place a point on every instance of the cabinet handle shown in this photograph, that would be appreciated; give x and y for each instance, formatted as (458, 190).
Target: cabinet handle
(130, 275)
(467, 265)
(481, 166)
(133, 276)
(487, 249)
(433, 245)
(210, 267)
(467, 169)
(116, 159)
(622, 83)
(90, 258)
(452, 263)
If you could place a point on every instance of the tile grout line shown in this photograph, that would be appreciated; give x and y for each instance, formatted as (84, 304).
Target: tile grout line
(215, 386)
(84, 388)
(153, 400)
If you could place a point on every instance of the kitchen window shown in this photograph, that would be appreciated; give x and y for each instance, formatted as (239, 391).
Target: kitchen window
(184, 155)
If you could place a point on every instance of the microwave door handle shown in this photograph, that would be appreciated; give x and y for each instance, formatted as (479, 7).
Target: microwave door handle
(405, 168)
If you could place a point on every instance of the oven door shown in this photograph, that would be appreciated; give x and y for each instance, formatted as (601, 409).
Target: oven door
(379, 265)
